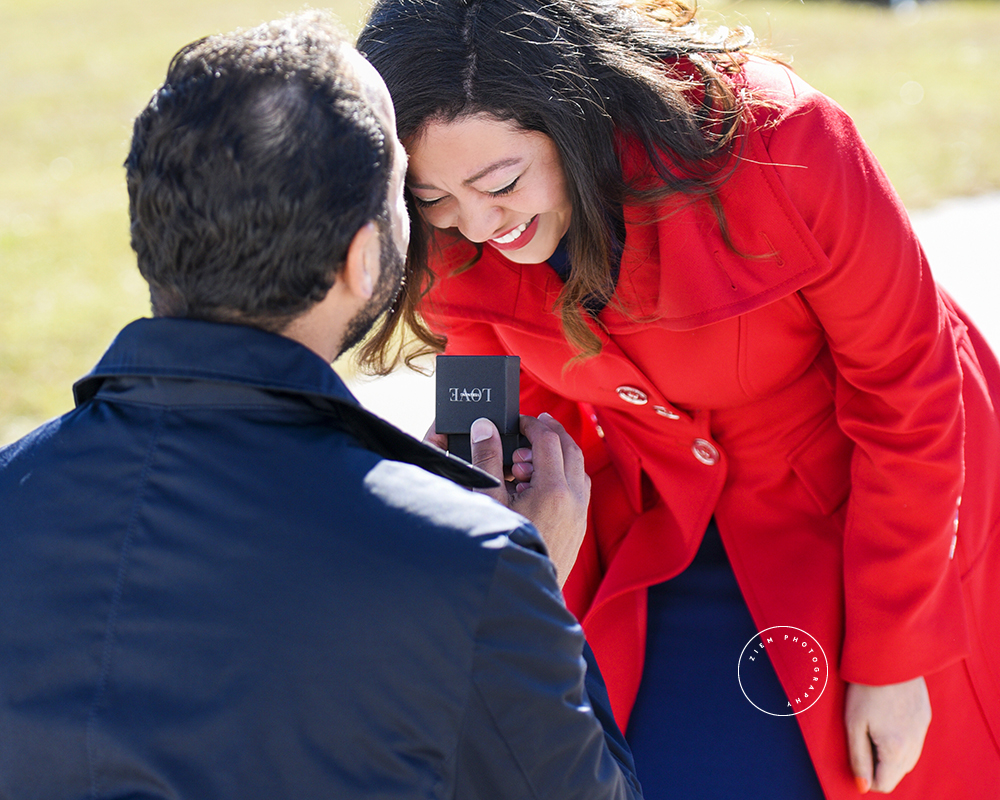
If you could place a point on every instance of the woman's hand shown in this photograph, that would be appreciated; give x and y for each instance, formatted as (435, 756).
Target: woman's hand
(549, 487)
(886, 726)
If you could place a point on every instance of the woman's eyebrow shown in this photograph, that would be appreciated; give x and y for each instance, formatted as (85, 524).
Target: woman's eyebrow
(499, 164)
(496, 165)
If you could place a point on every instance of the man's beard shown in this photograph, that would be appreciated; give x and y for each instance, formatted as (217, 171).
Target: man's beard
(390, 281)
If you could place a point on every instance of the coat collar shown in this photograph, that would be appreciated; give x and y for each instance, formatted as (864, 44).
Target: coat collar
(677, 269)
(195, 349)
(201, 361)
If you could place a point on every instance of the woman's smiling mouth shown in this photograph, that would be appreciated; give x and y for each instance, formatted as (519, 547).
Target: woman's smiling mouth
(518, 237)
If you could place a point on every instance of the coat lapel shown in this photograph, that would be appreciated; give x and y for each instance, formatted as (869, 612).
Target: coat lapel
(678, 268)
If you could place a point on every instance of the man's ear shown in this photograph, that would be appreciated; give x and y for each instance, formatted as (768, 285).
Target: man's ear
(361, 268)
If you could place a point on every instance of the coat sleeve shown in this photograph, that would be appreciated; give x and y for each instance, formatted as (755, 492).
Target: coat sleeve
(538, 723)
(898, 394)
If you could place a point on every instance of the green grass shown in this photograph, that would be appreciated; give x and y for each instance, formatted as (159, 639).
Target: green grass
(918, 81)
(73, 74)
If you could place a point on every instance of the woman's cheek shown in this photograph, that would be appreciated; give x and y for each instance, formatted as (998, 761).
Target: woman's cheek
(432, 217)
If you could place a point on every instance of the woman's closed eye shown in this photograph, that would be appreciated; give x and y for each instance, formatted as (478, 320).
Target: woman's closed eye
(506, 189)
(425, 203)
(421, 203)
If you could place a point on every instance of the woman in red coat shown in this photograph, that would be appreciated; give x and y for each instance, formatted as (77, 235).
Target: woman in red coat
(710, 281)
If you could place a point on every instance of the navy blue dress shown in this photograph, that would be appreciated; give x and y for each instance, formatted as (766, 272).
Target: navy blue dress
(692, 731)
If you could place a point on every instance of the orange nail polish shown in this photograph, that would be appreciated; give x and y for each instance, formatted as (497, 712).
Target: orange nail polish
(862, 784)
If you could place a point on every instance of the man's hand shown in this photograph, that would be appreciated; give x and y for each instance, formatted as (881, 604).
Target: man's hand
(549, 484)
(886, 726)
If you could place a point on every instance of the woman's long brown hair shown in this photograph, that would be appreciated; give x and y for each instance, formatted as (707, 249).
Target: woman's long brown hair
(583, 72)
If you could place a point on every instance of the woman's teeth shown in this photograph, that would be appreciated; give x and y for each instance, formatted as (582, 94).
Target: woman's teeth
(513, 235)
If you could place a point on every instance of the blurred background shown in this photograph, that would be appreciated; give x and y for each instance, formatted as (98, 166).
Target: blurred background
(918, 78)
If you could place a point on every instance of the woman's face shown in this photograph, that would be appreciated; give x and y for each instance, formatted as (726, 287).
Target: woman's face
(495, 182)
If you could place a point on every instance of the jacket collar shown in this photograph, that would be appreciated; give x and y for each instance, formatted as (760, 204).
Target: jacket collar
(677, 267)
(192, 355)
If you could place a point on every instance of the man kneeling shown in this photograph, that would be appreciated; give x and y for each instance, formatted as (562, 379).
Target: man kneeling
(222, 578)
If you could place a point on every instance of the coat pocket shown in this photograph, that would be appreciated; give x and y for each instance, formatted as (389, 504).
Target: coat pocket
(823, 463)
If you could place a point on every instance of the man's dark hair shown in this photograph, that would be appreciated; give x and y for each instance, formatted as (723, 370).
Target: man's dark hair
(250, 171)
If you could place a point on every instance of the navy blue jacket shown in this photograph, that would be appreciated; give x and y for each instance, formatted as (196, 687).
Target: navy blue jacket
(220, 579)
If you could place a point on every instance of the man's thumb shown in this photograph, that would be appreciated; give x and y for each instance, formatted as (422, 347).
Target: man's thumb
(487, 454)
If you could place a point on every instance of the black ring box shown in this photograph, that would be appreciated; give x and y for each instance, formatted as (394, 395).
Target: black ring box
(470, 387)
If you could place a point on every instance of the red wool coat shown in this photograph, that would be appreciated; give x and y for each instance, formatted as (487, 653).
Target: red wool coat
(823, 399)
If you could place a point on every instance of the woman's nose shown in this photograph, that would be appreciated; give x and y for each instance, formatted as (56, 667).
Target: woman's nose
(480, 222)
